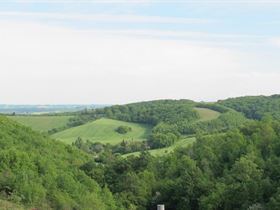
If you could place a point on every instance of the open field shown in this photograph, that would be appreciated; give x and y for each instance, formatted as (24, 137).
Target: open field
(207, 114)
(42, 123)
(158, 152)
(103, 130)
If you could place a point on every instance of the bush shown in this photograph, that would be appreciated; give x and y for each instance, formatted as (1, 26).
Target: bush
(123, 129)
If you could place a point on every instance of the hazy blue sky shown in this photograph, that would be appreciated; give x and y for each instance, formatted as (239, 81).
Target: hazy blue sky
(122, 51)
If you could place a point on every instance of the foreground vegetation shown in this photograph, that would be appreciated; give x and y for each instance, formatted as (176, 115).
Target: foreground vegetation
(235, 170)
(42, 173)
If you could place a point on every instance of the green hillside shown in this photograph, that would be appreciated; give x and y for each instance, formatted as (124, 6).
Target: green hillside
(207, 114)
(41, 173)
(42, 123)
(103, 130)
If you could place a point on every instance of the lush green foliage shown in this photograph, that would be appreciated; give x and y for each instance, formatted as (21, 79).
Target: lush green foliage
(170, 119)
(255, 107)
(151, 112)
(154, 112)
(43, 173)
(235, 170)
(96, 148)
(173, 118)
(233, 163)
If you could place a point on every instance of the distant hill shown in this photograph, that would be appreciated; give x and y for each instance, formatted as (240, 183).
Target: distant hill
(39, 109)
(255, 107)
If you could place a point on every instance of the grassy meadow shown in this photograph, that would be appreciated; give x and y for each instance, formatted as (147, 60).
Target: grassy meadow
(103, 130)
(41, 123)
(207, 114)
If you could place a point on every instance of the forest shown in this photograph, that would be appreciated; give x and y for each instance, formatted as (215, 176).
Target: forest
(234, 162)
(255, 107)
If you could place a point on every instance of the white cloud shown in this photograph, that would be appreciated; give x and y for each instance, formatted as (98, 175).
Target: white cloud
(45, 64)
(275, 41)
(128, 18)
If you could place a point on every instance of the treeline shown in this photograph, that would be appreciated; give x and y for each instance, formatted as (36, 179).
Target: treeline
(154, 112)
(213, 106)
(42, 173)
(97, 148)
(151, 112)
(235, 170)
(255, 107)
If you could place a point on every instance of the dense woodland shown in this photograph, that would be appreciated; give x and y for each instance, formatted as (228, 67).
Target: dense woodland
(238, 169)
(255, 107)
(233, 164)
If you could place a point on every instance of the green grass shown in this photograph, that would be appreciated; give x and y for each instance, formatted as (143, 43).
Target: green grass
(207, 114)
(41, 123)
(159, 152)
(103, 130)
(7, 205)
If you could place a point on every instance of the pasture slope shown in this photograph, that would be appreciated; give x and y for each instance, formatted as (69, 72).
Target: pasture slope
(162, 151)
(103, 130)
(207, 114)
(41, 122)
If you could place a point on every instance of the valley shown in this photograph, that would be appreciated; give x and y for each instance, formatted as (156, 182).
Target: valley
(103, 158)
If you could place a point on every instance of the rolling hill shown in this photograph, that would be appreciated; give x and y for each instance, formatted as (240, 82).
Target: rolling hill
(103, 130)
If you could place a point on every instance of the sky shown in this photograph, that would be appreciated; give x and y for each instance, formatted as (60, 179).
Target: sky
(115, 52)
